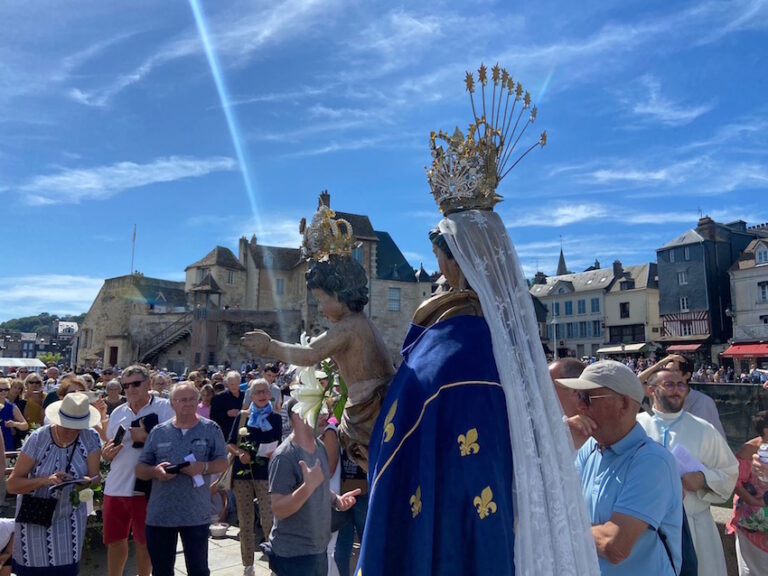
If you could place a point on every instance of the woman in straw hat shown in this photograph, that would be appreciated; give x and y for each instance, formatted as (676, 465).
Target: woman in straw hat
(63, 450)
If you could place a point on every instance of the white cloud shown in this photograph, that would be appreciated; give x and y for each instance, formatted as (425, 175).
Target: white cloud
(339, 146)
(235, 36)
(71, 185)
(278, 230)
(559, 216)
(53, 293)
(655, 107)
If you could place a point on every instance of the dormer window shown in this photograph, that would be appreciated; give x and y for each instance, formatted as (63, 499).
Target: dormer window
(761, 256)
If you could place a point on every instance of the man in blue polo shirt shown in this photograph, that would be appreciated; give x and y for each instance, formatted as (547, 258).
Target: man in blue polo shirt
(631, 484)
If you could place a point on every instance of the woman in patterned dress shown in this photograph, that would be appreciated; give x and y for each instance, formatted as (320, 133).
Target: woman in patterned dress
(65, 449)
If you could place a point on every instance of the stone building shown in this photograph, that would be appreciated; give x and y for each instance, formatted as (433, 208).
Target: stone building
(599, 311)
(632, 310)
(224, 296)
(575, 306)
(749, 310)
(694, 286)
(126, 313)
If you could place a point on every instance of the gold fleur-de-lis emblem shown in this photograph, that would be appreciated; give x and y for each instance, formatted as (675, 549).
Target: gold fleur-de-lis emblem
(389, 428)
(416, 502)
(484, 503)
(468, 444)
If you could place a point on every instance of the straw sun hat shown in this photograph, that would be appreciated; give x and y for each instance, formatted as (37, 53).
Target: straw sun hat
(74, 412)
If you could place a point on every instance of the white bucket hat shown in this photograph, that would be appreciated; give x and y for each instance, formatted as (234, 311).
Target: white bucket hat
(74, 412)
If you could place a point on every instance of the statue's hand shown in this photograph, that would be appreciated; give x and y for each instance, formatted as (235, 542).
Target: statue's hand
(256, 342)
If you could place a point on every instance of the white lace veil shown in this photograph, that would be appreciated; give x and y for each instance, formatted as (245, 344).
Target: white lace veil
(553, 535)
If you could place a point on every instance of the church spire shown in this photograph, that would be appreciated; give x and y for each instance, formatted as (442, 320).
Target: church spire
(561, 267)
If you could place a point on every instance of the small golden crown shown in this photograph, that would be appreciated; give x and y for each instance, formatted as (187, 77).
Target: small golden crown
(465, 174)
(326, 234)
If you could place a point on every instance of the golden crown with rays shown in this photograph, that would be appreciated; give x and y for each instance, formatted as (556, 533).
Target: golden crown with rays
(326, 234)
(465, 174)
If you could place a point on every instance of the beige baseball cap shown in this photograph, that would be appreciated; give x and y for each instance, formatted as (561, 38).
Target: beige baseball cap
(607, 374)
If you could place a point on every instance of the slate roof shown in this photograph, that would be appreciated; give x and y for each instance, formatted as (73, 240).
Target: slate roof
(690, 237)
(207, 284)
(390, 262)
(747, 259)
(578, 282)
(361, 225)
(275, 257)
(540, 309)
(219, 256)
(163, 292)
(644, 275)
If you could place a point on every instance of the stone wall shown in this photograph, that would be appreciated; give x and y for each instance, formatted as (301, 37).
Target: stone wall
(393, 325)
(109, 315)
(736, 405)
(233, 324)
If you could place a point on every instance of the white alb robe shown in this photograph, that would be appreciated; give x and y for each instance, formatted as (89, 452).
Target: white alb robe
(706, 444)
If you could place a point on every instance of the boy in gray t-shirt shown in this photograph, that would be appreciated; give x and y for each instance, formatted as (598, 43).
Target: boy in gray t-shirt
(299, 487)
(308, 530)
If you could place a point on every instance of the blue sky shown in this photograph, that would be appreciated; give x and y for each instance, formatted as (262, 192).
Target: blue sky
(110, 116)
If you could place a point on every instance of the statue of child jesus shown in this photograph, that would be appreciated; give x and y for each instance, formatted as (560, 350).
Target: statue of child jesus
(339, 285)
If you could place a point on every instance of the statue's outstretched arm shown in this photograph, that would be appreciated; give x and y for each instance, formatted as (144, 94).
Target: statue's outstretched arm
(322, 347)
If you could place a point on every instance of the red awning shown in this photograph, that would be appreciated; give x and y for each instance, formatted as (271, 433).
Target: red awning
(746, 350)
(684, 348)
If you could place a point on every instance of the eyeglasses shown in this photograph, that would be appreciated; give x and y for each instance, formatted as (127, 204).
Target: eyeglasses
(35, 382)
(5, 389)
(134, 384)
(587, 399)
(670, 386)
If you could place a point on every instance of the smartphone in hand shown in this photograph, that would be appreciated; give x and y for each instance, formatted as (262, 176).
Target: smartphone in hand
(119, 435)
(176, 468)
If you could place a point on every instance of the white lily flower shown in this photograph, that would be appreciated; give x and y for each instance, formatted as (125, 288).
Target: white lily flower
(309, 395)
(243, 431)
(85, 495)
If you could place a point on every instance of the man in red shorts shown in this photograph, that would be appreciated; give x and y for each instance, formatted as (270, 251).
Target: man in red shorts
(125, 505)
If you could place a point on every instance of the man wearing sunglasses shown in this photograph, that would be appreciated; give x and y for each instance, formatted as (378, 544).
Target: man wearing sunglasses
(630, 483)
(708, 468)
(125, 509)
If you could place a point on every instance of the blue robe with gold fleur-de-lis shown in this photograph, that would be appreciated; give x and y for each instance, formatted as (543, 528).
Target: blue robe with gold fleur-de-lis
(440, 471)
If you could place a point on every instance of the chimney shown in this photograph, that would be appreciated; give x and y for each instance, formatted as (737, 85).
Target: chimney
(242, 249)
(618, 270)
(325, 199)
(253, 241)
(706, 228)
(597, 264)
(737, 225)
(540, 278)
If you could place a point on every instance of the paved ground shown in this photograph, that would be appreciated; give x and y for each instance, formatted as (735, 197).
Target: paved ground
(223, 559)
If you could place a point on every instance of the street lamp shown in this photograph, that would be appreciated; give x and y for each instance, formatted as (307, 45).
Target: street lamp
(554, 334)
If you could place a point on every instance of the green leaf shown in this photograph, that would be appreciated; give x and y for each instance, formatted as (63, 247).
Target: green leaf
(339, 407)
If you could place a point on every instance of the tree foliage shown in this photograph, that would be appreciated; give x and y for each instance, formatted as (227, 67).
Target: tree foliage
(47, 357)
(42, 323)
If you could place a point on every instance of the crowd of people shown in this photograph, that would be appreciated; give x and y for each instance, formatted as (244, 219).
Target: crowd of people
(184, 452)
(179, 453)
(705, 373)
(641, 443)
